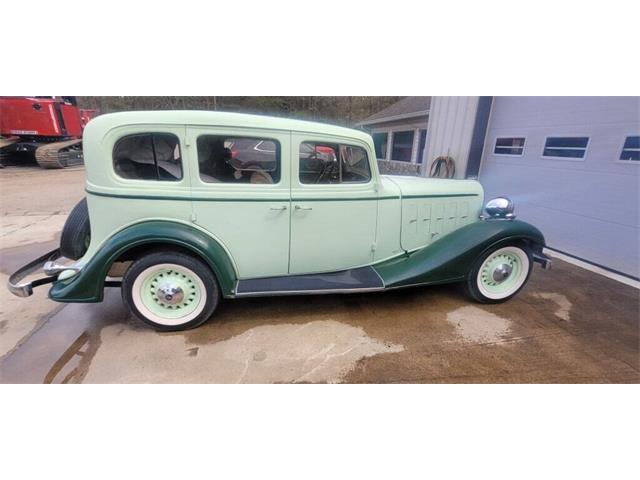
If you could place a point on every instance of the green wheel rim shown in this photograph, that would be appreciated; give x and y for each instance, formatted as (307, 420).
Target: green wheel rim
(177, 277)
(493, 286)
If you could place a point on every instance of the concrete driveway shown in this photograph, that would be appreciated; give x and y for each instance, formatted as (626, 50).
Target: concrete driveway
(568, 325)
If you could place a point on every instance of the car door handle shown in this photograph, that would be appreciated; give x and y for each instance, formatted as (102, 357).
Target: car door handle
(279, 209)
(298, 207)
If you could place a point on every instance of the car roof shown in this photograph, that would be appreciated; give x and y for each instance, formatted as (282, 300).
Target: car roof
(224, 119)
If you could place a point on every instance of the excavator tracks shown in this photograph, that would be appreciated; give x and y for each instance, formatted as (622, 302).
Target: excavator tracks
(60, 154)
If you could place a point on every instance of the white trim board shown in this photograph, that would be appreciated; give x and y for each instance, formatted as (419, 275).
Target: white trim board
(593, 268)
(393, 118)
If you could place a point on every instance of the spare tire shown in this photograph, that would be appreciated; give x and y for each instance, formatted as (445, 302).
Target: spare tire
(76, 233)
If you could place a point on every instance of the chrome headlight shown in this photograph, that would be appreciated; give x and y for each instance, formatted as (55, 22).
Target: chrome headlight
(500, 207)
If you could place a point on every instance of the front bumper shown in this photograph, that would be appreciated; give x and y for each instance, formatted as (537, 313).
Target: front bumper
(51, 268)
(542, 259)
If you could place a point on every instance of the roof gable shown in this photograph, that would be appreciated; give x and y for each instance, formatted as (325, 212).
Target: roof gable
(408, 107)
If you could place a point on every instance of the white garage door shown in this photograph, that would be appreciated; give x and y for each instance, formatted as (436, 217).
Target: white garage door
(572, 166)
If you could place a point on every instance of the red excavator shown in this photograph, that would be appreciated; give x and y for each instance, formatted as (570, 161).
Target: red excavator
(49, 128)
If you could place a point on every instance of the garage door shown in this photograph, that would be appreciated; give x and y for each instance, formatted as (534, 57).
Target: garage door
(571, 165)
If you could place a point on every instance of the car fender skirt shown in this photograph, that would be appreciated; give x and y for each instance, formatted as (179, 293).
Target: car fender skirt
(88, 285)
(450, 258)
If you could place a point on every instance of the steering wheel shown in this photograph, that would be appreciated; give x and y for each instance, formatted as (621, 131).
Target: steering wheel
(327, 169)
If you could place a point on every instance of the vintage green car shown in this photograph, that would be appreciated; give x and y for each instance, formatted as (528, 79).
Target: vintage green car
(185, 208)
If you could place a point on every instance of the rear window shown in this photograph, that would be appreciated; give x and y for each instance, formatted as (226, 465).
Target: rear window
(223, 159)
(148, 156)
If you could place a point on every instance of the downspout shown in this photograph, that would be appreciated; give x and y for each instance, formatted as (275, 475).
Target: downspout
(478, 137)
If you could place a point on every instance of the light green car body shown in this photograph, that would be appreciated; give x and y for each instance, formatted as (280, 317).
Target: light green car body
(283, 229)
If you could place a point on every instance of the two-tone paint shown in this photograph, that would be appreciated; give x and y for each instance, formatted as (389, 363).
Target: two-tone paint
(390, 232)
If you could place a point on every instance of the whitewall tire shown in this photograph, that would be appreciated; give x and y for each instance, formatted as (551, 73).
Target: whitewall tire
(170, 291)
(500, 274)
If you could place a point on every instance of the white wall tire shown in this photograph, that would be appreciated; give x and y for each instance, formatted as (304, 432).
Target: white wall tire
(500, 274)
(170, 291)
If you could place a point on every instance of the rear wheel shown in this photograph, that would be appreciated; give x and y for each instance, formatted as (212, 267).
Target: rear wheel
(170, 291)
(500, 274)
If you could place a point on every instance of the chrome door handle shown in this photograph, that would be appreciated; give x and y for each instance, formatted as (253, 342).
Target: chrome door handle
(298, 207)
(283, 207)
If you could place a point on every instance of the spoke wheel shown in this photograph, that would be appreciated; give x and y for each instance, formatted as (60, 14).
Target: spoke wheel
(500, 274)
(170, 291)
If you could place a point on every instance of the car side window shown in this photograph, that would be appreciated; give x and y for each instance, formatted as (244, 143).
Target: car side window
(327, 163)
(148, 156)
(224, 159)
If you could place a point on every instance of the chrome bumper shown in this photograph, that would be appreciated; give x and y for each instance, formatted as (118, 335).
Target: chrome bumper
(51, 269)
(543, 260)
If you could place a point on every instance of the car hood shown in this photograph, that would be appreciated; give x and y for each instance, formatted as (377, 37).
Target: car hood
(421, 186)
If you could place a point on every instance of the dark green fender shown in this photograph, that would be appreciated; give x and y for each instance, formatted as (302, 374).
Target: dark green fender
(451, 258)
(88, 285)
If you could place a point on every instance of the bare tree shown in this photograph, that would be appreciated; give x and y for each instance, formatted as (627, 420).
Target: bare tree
(339, 110)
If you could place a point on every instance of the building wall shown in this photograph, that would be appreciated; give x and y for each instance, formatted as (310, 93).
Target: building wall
(588, 208)
(451, 122)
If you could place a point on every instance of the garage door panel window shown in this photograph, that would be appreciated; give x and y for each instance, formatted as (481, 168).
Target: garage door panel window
(631, 149)
(566, 147)
(512, 146)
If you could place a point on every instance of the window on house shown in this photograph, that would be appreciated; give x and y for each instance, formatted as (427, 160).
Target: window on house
(421, 145)
(509, 146)
(402, 146)
(322, 163)
(380, 141)
(565, 147)
(631, 149)
(148, 156)
(223, 159)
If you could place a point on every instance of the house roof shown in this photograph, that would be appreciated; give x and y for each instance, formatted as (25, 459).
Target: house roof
(408, 107)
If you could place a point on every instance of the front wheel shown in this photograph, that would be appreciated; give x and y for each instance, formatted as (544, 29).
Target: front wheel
(500, 274)
(170, 291)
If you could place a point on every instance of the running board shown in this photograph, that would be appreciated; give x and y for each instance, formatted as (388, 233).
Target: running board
(364, 279)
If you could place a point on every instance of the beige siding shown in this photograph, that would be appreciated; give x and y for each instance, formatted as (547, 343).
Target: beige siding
(451, 122)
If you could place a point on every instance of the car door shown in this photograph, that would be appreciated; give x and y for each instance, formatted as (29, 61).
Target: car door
(334, 204)
(241, 194)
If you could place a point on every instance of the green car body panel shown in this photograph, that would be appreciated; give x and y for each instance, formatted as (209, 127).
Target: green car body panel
(88, 285)
(450, 258)
(410, 230)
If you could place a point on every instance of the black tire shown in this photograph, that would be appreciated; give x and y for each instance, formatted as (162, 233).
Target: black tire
(76, 234)
(471, 284)
(132, 293)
